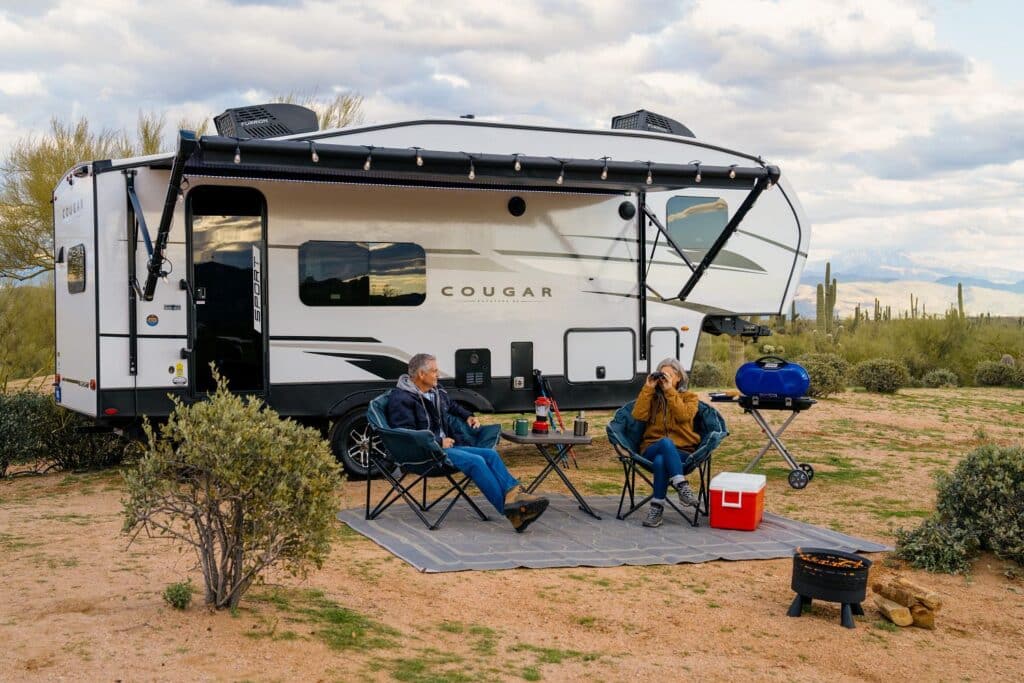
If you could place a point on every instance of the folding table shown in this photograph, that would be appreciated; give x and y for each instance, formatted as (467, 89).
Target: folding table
(561, 442)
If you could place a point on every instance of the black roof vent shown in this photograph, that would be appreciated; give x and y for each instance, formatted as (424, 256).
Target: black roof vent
(642, 119)
(266, 121)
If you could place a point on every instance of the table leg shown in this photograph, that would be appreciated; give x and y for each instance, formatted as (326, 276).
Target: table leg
(552, 466)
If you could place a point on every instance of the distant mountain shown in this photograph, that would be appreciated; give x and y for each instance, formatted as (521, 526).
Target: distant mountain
(1016, 287)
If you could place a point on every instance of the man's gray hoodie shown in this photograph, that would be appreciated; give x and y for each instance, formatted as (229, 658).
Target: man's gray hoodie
(410, 408)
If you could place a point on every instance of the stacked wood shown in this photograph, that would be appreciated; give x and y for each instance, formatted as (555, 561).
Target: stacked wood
(906, 603)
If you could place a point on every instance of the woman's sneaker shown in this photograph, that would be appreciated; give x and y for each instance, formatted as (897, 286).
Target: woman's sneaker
(686, 494)
(654, 515)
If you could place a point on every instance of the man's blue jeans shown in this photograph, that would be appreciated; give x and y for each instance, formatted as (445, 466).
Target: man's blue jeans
(487, 470)
(666, 462)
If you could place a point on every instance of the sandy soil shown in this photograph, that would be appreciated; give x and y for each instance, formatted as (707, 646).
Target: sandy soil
(78, 604)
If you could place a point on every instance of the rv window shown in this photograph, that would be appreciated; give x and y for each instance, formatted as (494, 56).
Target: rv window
(694, 223)
(362, 274)
(76, 269)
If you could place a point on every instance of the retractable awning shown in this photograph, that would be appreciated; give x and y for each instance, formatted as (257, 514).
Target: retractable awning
(311, 160)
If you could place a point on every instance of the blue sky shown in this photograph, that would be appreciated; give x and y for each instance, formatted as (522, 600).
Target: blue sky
(900, 124)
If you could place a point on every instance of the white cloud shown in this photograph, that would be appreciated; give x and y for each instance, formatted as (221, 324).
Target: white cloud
(21, 84)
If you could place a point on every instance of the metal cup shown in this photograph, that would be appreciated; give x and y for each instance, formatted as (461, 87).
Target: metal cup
(522, 427)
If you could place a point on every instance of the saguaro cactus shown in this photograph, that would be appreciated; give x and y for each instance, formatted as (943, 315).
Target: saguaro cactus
(913, 306)
(960, 299)
(826, 309)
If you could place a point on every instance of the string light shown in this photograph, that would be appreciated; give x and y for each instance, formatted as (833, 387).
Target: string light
(517, 166)
(650, 178)
(472, 170)
(419, 157)
(369, 160)
(561, 174)
(604, 169)
(312, 153)
(238, 154)
(732, 172)
(697, 178)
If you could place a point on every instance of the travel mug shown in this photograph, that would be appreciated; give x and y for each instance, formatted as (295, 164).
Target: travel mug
(522, 426)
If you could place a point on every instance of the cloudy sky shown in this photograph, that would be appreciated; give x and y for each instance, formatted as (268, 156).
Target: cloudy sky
(900, 124)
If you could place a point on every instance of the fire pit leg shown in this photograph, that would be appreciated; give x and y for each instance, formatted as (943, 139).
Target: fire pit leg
(857, 609)
(797, 608)
(846, 617)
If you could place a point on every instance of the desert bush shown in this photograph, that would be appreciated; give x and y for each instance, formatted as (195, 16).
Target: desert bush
(704, 374)
(828, 373)
(243, 488)
(20, 433)
(940, 378)
(991, 373)
(882, 375)
(1008, 360)
(979, 507)
(179, 595)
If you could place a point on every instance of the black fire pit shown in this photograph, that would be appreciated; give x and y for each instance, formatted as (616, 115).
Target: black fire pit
(830, 575)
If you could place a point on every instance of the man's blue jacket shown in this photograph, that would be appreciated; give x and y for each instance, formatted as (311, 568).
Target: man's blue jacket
(409, 409)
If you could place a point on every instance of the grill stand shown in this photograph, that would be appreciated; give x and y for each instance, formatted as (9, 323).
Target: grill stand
(846, 612)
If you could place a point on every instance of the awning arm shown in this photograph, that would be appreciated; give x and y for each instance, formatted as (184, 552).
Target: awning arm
(759, 186)
(139, 216)
(668, 237)
(186, 146)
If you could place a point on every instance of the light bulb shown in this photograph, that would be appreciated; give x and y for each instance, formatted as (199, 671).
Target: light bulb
(419, 159)
(697, 178)
(604, 170)
(650, 178)
(517, 166)
(472, 171)
(732, 172)
(561, 175)
(368, 163)
(238, 155)
(313, 154)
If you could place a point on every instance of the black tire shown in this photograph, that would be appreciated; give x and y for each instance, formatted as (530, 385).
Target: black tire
(806, 467)
(351, 439)
(798, 479)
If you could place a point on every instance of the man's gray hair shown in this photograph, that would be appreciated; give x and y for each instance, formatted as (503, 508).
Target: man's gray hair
(419, 362)
(684, 379)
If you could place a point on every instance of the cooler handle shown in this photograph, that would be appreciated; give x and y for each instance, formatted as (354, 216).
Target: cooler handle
(737, 504)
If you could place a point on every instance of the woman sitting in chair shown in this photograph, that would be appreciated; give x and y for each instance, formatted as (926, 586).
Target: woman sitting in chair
(669, 437)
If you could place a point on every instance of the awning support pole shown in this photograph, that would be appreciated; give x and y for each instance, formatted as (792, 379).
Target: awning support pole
(186, 146)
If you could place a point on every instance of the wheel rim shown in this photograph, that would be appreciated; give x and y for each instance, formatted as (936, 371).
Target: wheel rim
(359, 441)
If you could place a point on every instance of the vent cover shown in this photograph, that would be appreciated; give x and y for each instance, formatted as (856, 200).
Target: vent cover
(642, 119)
(266, 121)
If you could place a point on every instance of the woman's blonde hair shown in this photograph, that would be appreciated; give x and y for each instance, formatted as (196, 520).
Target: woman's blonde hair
(684, 379)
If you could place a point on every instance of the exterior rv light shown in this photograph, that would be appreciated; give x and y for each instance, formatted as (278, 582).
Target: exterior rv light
(650, 178)
(561, 174)
(110, 411)
(732, 171)
(369, 160)
(684, 328)
(238, 154)
(517, 166)
(604, 169)
(312, 153)
(92, 384)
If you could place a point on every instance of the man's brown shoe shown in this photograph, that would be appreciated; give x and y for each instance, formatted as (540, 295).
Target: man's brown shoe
(523, 513)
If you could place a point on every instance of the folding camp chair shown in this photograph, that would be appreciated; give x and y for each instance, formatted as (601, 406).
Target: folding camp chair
(415, 455)
(625, 432)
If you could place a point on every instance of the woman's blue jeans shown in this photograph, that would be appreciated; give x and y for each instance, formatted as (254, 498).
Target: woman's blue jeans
(666, 462)
(487, 470)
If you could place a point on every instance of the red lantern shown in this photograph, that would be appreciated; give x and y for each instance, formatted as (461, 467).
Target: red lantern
(542, 407)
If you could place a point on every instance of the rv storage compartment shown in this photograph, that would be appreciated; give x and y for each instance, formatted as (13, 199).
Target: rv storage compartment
(600, 355)
(473, 368)
(772, 377)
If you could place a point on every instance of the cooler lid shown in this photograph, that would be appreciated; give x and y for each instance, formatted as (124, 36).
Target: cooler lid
(738, 481)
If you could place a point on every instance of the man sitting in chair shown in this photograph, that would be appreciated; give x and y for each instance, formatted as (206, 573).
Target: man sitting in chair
(669, 437)
(420, 403)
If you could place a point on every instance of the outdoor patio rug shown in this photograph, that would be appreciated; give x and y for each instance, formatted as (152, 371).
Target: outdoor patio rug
(566, 537)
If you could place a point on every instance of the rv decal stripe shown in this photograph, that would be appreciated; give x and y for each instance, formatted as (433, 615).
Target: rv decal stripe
(469, 252)
(118, 335)
(384, 367)
(360, 340)
(619, 259)
(780, 245)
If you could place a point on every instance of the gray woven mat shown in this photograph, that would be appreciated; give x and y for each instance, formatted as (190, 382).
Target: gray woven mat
(566, 537)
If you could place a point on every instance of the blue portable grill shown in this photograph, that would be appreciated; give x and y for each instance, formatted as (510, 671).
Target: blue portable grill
(771, 377)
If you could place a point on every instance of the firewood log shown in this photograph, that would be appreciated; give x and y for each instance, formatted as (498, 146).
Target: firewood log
(895, 593)
(926, 596)
(894, 612)
(923, 617)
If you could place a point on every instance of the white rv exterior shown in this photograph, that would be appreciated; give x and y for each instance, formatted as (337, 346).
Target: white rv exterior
(314, 291)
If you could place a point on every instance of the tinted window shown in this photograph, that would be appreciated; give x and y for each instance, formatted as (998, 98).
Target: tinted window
(76, 269)
(362, 274)
(694, 223)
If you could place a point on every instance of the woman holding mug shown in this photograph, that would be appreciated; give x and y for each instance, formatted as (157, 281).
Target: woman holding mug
(669, 437)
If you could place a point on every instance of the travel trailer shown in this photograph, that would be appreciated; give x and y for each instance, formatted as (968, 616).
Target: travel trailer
(308, 266)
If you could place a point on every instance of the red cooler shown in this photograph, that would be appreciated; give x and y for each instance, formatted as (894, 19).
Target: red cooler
(737, 500)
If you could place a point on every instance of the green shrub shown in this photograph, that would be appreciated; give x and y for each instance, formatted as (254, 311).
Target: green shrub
(704, 374)
(979, 507)
(243, 488)
(828, 372)
(991, 373)
(1008, 360)
(20, 432)
(179, 595)
(882, 375)
(940, 378)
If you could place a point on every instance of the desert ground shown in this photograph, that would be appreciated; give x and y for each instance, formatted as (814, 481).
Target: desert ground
(79, 603)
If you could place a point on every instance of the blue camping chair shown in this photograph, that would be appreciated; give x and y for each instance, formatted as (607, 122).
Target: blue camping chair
(625, 432)
(415, 455)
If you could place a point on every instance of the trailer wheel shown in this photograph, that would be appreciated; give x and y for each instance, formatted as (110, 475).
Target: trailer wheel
(352, 438)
